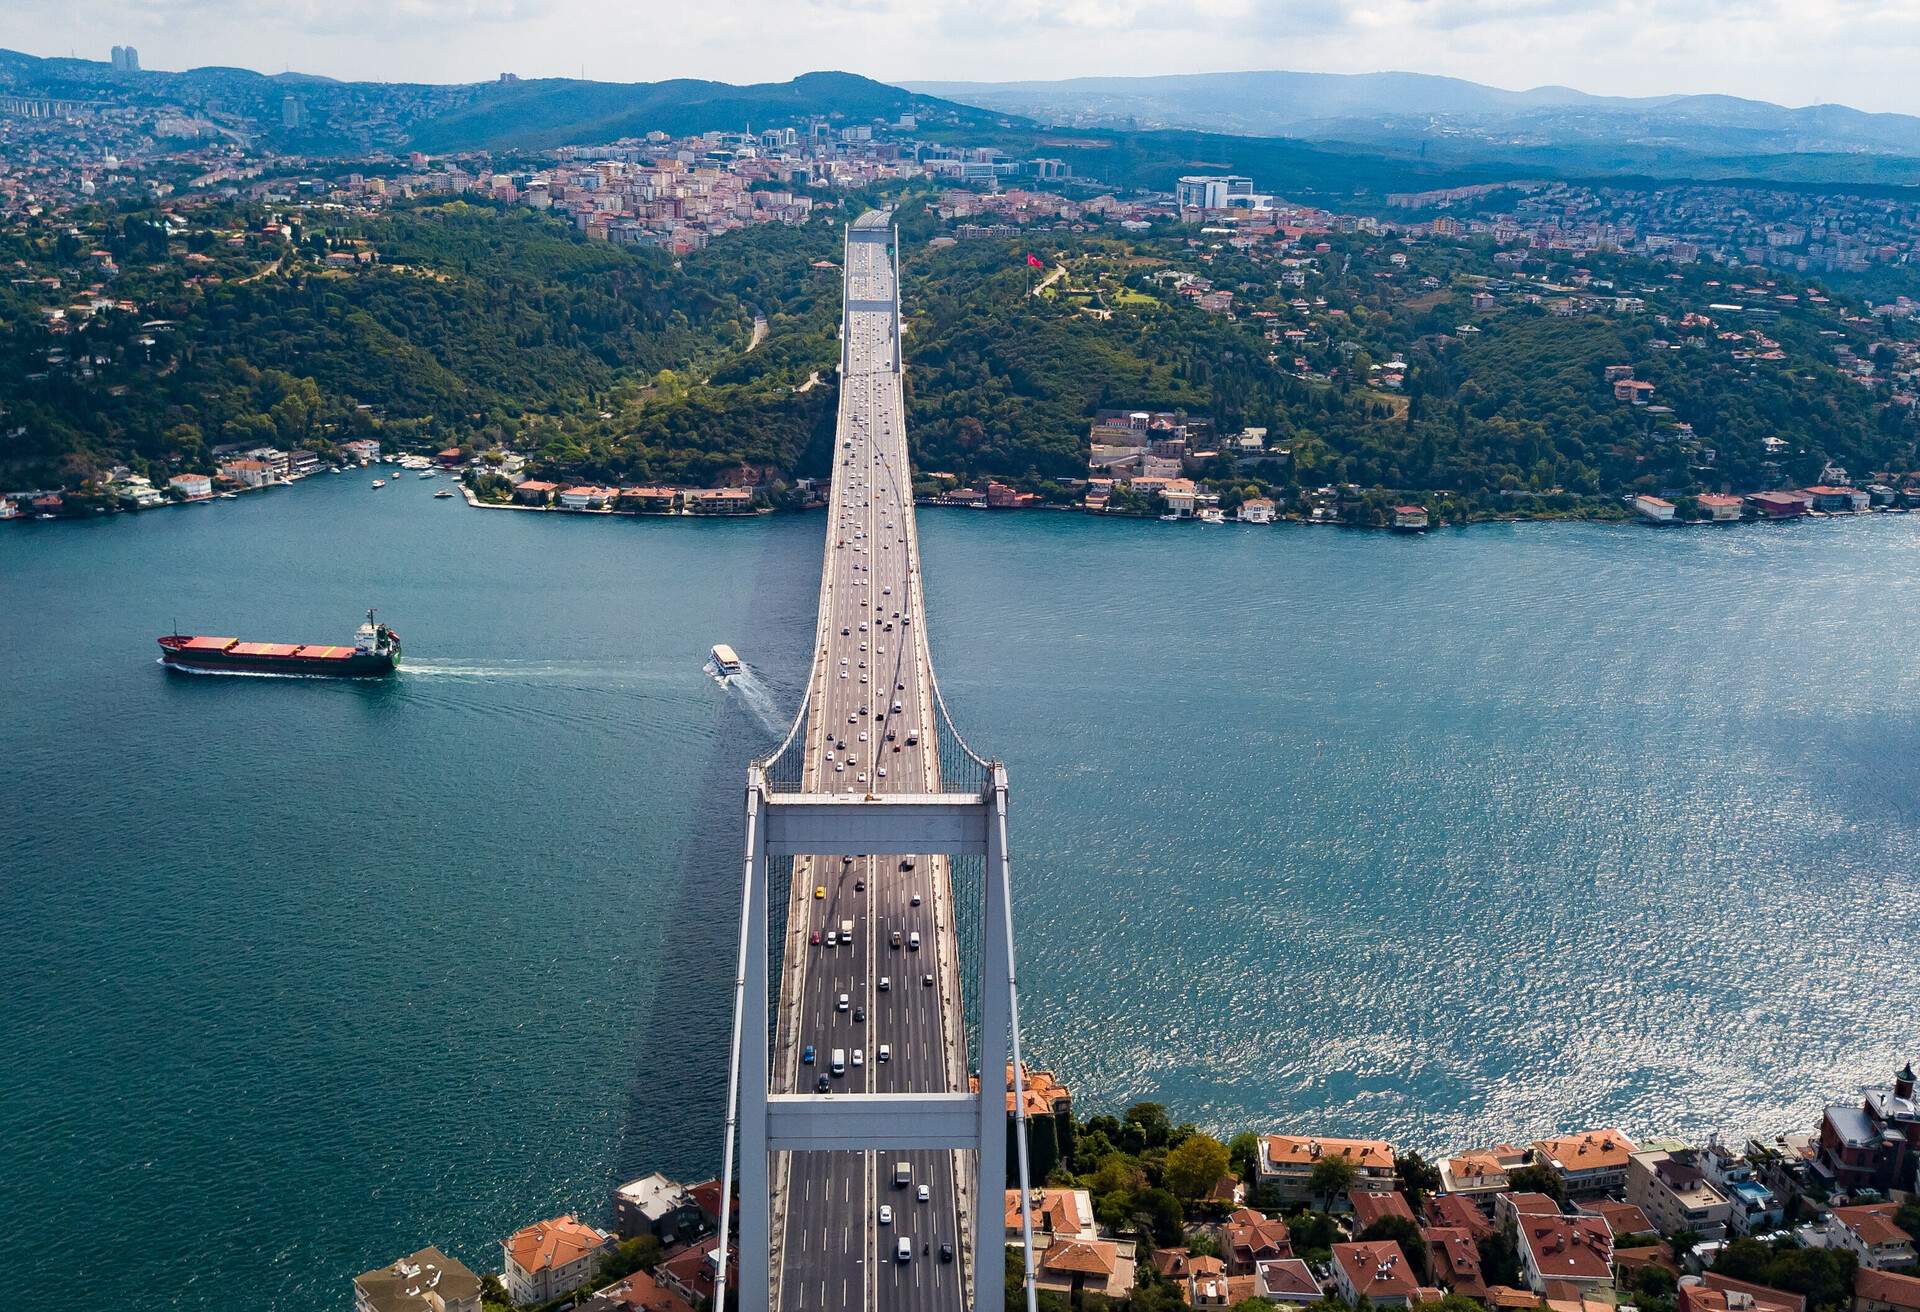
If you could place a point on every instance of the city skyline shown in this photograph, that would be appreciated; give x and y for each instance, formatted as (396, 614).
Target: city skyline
(1853, 52)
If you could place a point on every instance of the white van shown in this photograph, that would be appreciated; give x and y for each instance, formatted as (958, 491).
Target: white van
(903, 1249)
(913, 941)
(839, 1061)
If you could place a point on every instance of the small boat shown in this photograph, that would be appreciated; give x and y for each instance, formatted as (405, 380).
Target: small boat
(425, 473)
(336, 470)
(379, 482)
(286, 482)
(442, 494)
(726, 661)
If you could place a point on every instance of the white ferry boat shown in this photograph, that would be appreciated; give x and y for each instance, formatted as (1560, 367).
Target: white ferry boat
(725, 662)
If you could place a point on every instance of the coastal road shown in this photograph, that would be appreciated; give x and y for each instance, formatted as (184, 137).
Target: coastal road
(870, 729)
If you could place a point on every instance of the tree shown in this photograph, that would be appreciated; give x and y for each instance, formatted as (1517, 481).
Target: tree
(1163, 1215)
(1196, 1165)
(1823, 1275)
(1420, 1176)
(1907, 1216)
(1244, 1152)
(1537, 1179)
(1404, 1233)
(1451, 1302)
(1500, 1259)
(1332, 1176)
(641, 1253)
(1151, 1119)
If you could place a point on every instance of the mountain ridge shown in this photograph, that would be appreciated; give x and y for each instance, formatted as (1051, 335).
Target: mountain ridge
(1393, 105)
(534, 113)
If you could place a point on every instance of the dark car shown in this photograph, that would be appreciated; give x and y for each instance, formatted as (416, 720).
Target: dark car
(806, 1054)
(816, 938)
(946, 1252)
(859, 885)
(822, 1085)
(859, 1015)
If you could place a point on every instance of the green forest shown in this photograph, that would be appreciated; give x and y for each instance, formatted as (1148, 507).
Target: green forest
(1379, 364)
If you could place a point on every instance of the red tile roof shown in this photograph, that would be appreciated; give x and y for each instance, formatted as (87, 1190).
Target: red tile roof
(1569, 1247)
(547, 1244)
(1369, 1207)
(1376, 1270)
(1887, 1287)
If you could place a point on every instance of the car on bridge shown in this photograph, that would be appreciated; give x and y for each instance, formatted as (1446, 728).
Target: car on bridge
(806, 1054)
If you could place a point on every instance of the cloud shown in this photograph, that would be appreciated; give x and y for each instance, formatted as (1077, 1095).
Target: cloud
(1856, 52)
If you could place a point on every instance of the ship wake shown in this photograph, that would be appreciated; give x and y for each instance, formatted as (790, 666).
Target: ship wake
(753, 694)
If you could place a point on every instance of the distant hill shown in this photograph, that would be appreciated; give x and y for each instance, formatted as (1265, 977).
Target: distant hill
(312, 115)
(1380, 109)
(555, 111)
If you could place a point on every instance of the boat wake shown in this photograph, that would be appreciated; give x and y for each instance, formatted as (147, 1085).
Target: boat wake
(754, 695)
(510, 670)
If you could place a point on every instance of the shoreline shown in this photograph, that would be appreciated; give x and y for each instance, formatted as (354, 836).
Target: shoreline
(474, 501)
(25, 515)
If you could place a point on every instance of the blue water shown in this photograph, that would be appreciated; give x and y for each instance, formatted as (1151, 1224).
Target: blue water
(1455, 838)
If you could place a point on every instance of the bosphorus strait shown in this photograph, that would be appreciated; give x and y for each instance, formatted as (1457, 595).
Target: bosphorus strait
(1455, 838)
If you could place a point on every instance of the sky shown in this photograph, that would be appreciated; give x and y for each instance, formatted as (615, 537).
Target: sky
(1795, 52)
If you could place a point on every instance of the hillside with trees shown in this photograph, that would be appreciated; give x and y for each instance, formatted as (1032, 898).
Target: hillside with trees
(1401, 368)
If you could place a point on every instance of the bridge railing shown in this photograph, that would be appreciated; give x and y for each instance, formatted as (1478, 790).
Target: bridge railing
(785, 766)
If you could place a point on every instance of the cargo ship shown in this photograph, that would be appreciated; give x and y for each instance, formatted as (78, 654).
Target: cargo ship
(375, 651)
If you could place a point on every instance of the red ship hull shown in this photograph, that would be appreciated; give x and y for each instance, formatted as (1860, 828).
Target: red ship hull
(231, 656)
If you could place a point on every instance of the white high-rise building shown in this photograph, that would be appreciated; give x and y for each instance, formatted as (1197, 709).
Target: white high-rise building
(1200, 192)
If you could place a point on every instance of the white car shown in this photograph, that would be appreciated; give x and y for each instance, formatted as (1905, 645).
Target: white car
(861, 778)
(923, 1193)
(885, 984)
(841, 1005)
(880, 771)
(863, 735)
(886, 1214)
(859, 1057)
(885, 1053)
(833, 938)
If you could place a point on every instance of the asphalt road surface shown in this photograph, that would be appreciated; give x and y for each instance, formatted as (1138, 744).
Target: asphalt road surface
(890, 1009)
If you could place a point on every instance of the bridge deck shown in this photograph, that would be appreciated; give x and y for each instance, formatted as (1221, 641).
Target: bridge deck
(830, 1252)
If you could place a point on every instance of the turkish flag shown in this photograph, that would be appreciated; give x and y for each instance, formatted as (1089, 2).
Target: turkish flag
(1034, 261)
